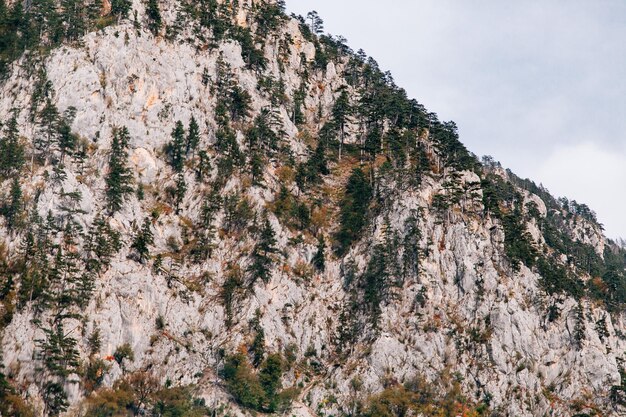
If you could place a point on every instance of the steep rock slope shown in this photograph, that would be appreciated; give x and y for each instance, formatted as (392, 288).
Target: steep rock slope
(321, 232)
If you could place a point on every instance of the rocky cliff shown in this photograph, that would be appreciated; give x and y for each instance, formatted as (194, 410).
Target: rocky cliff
(215, 198)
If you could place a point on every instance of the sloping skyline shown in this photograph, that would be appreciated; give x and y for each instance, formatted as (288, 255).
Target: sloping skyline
(538, 85)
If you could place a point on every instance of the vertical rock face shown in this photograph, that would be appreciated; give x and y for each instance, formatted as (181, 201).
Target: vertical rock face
(436, 268)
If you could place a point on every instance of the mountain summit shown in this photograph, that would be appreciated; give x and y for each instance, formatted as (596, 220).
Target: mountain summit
(210, 208)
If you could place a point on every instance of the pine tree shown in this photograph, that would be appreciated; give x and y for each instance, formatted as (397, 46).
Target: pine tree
(35, 248)
(193, 136)
(422, 163)
(258, 344)
(67, 287)
(181, 189)
(176, 148)
(22, 24)
(101, 245)
(301, 215)
(205, 232)
(73, 18)
(261, 137)
(319, 259)
(230, 155)
(64, 291)
(256, 168)
(310, 172)
(299, 97)
(119, 178)
(203, 168)
(340, 113)
(262, 254)
(263, 142)
(55, 399)
(58, 352)
(143, 239)
(60, 357)
(94, 341)
(48, 123)
(579, 326)
(153, 13)
(120, 8)
(211, 205)
(411, 252)
(239, 103)
(317, 24)
(47, 27)
(269, 377)
(354, 207)
(11, 150)
(204, 245)
(67, 140)
(375, 283)
(13, 208)
(93, 10)
(318, 162)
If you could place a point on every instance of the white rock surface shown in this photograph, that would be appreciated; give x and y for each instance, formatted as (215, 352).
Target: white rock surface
(125, 77)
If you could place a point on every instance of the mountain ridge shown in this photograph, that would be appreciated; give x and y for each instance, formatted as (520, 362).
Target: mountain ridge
(319, 232)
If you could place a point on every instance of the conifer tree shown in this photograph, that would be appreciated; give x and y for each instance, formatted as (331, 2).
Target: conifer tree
(203, 168)
(73, 18)
(269, 377)
(262, 253)
(239, 102)
(228, 149)
(256, 167)
(579, 326)
(101, 245)
(341, 111)
(205, 229)
(48, 123)
(316, 22)
(205, 244)
(120, 8)
(411, 252)
(93, 9)
(13, 207)
(302, 215)
(176, 148)
(211, 205)
(60, 357)
(67, 286)
(375, 283)
(143, 239)
(67, 141)
(318, 163)
(353, 210)
(258, 344)
(422, 163)
(58, 352)
(181, 189)
(35, 248)
(153, 12)
(319, 259)
(47, 27)
(119, 178)
(193, 136)
(299, 96)
(315, 167)
(55, 399)
(11, 150)
(261, 136)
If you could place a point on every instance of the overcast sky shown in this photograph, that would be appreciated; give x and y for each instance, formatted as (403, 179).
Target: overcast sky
(538, 84)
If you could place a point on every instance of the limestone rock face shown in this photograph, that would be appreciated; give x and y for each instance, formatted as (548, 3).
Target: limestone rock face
(466, 312)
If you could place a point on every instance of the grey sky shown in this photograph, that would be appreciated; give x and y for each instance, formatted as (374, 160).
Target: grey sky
(538, 84)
